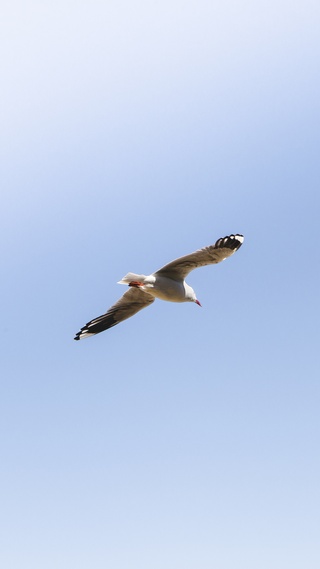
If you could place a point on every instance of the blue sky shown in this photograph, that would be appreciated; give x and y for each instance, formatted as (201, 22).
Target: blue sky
(133, 133)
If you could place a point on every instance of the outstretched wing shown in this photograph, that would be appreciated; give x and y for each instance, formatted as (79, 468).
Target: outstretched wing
(129, 304)
(222, 249)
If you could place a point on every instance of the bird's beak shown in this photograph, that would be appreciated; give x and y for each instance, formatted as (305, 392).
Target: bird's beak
(197, 302)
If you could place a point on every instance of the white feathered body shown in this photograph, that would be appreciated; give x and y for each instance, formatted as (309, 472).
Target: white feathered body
(162, 287)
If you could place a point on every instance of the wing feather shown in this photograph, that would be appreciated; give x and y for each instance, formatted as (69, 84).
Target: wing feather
(223, 248)
(129, 304)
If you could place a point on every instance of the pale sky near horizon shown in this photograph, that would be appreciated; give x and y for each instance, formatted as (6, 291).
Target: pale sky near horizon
(133, 133)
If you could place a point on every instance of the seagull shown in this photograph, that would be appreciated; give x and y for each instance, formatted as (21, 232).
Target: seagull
(168, 283)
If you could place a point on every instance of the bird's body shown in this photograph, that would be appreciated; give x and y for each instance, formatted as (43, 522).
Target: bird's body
(164, 288)
(168, 283)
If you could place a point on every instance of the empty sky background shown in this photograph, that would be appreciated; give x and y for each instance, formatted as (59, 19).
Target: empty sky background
(133, 133)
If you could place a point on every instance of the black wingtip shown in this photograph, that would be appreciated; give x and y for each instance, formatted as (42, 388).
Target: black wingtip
(238, 239)
(231, 241)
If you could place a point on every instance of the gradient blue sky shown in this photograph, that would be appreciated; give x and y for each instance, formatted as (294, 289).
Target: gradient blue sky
(133, 133)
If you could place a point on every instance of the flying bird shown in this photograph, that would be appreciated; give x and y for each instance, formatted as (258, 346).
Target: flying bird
(168, 283)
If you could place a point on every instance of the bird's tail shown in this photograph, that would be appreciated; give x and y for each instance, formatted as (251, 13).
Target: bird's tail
(132, 277)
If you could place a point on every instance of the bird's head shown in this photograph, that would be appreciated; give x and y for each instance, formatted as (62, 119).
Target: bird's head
(190, 294)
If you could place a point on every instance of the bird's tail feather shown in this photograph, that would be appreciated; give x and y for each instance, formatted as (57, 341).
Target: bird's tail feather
(130, 277)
